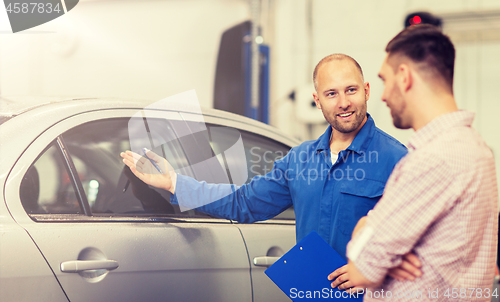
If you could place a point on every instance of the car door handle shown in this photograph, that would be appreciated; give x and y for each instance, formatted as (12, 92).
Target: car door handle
(264, 260)
(84, 265)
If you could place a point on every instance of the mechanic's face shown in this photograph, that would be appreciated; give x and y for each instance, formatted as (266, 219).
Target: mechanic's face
(393, 97)
(341, 95)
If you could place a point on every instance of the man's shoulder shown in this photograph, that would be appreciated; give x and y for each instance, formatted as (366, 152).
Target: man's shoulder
(307, 145)
(461, 149)
(386, 142)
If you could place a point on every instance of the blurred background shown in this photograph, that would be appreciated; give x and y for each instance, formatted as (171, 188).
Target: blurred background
(155, 49)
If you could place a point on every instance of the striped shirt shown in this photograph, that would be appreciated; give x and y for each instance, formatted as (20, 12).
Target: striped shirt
(441, 203)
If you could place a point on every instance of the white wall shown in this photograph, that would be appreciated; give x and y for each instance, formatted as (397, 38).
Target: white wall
(135, 49)
(360, 29)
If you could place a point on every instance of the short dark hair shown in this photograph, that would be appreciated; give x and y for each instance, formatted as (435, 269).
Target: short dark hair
(335, 56)
(428, 45)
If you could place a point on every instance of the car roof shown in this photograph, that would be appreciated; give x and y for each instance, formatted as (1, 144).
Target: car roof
(11, 107)
(17, 105)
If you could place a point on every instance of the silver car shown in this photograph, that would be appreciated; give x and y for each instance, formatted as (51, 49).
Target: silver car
(76, 225)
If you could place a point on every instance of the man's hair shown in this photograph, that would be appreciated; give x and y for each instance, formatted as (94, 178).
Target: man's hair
(427, 46)
(329, 58)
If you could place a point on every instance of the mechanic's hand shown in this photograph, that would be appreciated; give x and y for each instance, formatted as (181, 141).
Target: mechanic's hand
(147, 172)
(341, 280)
(409, 269)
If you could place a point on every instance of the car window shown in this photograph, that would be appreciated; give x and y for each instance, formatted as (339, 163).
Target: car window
(46, 187)
(110, 188)
(260, 154)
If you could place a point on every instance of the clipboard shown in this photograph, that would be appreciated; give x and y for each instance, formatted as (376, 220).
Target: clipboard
(302, 272)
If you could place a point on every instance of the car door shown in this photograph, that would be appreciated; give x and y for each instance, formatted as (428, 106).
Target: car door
(279, 232)
(265, 241)
(109, 237)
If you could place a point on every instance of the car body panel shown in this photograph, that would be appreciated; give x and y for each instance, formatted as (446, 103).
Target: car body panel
(163, 259)
(275, 243)
(27, 270)
(157, 261)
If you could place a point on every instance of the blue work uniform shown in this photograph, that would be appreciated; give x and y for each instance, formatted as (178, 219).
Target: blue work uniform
(327, 198)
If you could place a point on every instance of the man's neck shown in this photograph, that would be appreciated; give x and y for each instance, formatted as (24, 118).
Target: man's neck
(437, 106)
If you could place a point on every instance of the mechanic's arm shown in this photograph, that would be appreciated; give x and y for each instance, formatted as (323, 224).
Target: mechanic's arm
(263, 198)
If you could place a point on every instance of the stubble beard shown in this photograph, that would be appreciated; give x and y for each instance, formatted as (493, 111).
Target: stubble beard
(397, 118)
(341, 127)
(397, 121)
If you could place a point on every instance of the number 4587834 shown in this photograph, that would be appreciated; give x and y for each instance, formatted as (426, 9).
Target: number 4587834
(470, 293)
(32, 8)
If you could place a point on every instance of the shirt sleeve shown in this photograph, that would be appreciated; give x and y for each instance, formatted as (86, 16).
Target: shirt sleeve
(263, 198)
(415, 196)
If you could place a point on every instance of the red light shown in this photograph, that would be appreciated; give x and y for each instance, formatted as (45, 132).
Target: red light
(416, 20)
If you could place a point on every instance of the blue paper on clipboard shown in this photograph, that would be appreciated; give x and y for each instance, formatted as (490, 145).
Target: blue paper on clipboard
(302, 272)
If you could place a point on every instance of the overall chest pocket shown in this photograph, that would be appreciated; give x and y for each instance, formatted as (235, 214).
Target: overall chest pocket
(356, 199)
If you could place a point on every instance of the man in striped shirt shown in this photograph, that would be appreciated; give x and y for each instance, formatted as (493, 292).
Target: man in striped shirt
(440, 201)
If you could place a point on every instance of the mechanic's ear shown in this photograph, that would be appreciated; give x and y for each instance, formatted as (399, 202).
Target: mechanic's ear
(367, 90)
(316, 100)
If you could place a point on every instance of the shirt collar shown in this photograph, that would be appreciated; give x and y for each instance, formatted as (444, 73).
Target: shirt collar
(360, 142)
(424, 135)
